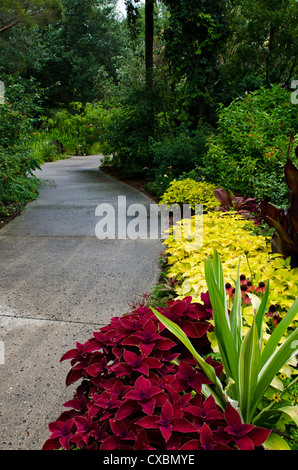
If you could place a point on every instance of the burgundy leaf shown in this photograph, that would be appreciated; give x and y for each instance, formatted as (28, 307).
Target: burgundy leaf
(193, 444)
(110, 443)
(195, 329)
(222, 196)
(183, 425)
(120, 429)
(142, 442)
(244, 443)
(291, 175)
(258, 435)
(235, 426)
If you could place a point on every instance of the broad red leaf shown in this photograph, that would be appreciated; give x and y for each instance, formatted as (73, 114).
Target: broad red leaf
(291, 174)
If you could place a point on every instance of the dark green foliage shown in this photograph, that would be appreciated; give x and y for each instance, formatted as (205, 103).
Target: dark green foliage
(196, 32)
(126, 138)
(28, 12)
(248, 151)
(65, 56)
(262, 47)
(181, 152)
(17, 186)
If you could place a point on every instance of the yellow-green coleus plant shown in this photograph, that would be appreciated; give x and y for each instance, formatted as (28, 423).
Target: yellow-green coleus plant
(230, 235)
(189, 191)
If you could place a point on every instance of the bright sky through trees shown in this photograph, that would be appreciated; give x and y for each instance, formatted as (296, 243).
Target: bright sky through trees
(121, 7)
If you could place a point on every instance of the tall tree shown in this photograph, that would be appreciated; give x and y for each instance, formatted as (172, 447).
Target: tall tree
(194, 38)
(28, 12)
(65, 56)
(264, 42)
(133, 16)
(149, 37)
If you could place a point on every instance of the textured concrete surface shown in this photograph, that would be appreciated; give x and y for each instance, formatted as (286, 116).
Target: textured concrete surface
(58, 284)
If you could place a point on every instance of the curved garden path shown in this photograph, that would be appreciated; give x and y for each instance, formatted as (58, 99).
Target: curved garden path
(58, 284)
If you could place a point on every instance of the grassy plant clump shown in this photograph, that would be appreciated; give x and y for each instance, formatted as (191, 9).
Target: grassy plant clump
(250, 362)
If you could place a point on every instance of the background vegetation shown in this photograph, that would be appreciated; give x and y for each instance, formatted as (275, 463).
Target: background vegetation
(196, 88)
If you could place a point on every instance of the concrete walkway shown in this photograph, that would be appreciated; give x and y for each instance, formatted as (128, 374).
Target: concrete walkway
(58, 284)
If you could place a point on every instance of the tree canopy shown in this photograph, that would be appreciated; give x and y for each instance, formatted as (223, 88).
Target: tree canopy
(28, 12)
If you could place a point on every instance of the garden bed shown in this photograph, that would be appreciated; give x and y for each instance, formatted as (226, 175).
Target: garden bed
(141, 389)
(141, 386)
(10, 214)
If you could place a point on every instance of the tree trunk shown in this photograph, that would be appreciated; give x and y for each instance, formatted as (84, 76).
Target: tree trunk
(149, 34)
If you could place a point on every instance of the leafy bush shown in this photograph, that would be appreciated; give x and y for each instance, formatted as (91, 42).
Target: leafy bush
(160, 184)
(251, 144)
(18, 116)
(15, 186)
(181, 152)
(189, 191)
(134, 394)
(125, 138)
(25, 94)
(16, 162)
(14, 126)
(44, 150)
(78, 130)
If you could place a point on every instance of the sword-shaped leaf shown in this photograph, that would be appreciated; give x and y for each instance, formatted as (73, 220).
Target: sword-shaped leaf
(249, 368)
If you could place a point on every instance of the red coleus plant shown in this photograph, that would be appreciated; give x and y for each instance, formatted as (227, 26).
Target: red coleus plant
(141, 389)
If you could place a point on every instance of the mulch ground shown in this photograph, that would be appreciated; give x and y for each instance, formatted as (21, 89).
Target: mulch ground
(13, 213)
(137, 183)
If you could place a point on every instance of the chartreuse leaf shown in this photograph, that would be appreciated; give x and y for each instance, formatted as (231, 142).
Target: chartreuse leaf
(208, 370)
(291, 411)
(275, 442)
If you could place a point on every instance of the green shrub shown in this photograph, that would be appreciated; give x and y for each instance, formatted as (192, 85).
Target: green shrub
(125, 138)
(25, 95)
(182, 152)
(14, 126)
(78, 131)
(16, 188)
(249, 150)
(17, 184)
(45, 150)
